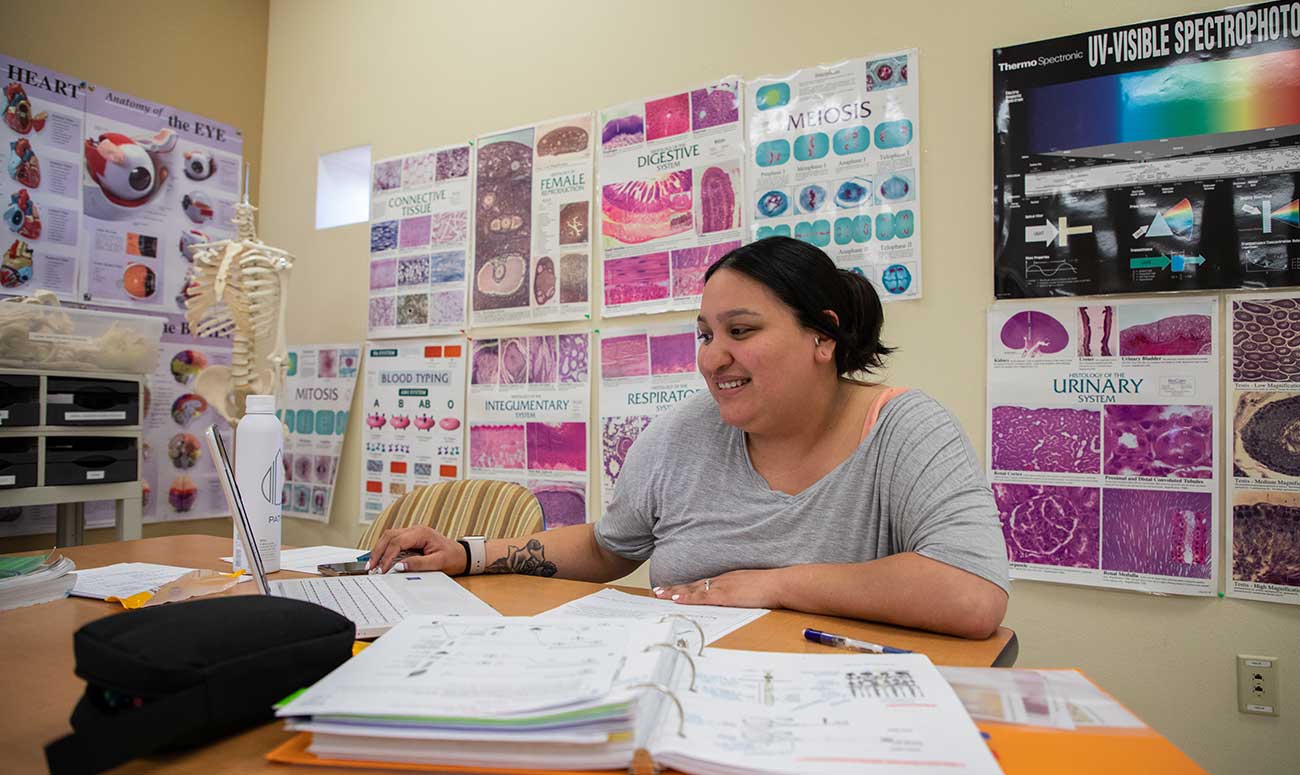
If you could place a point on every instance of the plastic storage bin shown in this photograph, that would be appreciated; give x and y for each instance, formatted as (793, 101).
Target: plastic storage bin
(86, 401)
(40, 337)
(90, 459)
(17, 462)
(20, 400)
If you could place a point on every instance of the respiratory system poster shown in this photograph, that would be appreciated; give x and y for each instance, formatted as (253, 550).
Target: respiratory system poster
(314, 404)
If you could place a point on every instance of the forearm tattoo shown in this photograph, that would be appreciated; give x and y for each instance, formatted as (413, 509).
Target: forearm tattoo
(529, 560)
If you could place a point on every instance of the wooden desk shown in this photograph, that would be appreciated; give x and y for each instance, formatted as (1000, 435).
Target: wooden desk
(40, 689)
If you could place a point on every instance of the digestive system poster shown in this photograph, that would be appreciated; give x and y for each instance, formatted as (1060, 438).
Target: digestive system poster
(156, 182)
(643, 373)
(532, 249)
(414, 413)
(1103, 431)
(43, 115)
(835, 161)
(671, 172)
(1264, 492)
(419, 238)
(529, 401)
(314, 404)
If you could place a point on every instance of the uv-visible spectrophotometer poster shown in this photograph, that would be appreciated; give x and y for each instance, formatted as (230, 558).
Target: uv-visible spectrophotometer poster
(1264, 492)
(1103, 434)
(1160, 156)
(671, 172)
(529, 404)
(414, 418)
(314, 404)
(532, 249)
(43, 116)
(834, 160)
(419, 239)
(643, 373)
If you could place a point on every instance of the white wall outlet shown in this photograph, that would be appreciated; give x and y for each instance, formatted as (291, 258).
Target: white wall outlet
(1257, 685)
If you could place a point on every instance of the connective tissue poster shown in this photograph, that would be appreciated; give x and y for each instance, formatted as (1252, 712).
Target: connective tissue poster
(835, 160)
(529, 402)
(1103, 430)
(314, 404)
(532, 250)
(671, 181)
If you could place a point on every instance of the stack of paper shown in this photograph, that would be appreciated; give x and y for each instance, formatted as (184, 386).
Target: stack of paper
(28, 581)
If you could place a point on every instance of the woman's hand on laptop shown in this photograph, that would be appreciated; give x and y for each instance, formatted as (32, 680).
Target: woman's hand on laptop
(425, 549)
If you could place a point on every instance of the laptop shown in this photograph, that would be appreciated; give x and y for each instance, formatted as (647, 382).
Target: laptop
(374, 603)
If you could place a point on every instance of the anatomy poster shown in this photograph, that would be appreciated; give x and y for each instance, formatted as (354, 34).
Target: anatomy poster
(532, 223)
(1103, 435)
(156, 182)
(41, 194)
(1159, 156)
(314, 404)
(529, 401)
(1264, 492)
(671, 172)
(414, 413)
(643, 373)
(835, 161)
(419, 237)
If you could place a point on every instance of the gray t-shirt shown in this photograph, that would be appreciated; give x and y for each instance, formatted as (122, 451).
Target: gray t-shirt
(689, 500)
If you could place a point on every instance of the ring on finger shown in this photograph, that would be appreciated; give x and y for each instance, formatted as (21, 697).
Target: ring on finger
(706, 584)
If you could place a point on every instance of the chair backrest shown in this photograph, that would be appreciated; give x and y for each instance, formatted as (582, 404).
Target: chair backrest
(485, 507)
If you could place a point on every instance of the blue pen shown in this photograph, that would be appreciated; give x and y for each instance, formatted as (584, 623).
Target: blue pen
(839, 641)
(363, 557)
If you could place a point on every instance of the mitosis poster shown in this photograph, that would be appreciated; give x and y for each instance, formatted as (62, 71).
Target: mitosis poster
(414, 418)
(314, 404)
(671, 182)
(1103, 434)
(419, 240)
(1158, 156)
(834, 160)
(532, 250)
(1264, 447)
(529, 404)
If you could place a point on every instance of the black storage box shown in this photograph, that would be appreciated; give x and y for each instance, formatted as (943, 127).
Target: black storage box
(20, 400)
(17, 462)
(90, 459)
(81, 401)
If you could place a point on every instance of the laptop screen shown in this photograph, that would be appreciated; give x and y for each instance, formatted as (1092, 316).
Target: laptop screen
(243, 528)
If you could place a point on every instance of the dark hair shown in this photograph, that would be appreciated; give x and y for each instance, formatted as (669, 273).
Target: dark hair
(808, 282)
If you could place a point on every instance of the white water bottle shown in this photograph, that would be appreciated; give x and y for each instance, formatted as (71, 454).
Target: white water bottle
(259, 445)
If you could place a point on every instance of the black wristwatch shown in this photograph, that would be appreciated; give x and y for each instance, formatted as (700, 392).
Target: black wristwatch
(475, 549)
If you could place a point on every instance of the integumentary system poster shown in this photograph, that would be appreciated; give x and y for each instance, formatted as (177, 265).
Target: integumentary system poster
(1263, 391)
(1159, 156)
(671, 182)
(643, 373)
(314, 404)
(835, 161)
(414, 417)
(419, 240)
(529, 403)
(532, 233)
(1103, 432)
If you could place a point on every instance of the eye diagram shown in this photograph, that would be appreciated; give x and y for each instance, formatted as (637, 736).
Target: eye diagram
(199, 165)
(127, 172)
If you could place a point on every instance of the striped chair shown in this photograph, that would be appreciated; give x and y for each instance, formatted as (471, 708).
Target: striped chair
(463, 507)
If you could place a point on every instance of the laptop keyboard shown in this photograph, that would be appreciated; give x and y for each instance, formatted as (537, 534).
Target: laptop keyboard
(363, 599)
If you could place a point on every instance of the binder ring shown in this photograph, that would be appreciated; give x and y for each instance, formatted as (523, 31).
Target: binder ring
(679, 650)
(693, 623)
(681, 714)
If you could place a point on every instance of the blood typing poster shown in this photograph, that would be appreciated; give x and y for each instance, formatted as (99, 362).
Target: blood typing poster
(532, 249)
(671, 171)
(1103, 431)
(834, 160)
(414, 413)
(314, 404)
(643, 373)
(1264, 492)
(529, 401)
(419, 237)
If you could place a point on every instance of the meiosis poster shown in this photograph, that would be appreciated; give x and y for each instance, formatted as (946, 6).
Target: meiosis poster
(314, 405)
(419, 236)
(532, 250)
(1158, 156)
(41, 192)
(1264, 492)
(414, 413)
(643, 373)
(835, 161)
(156, 181)
(671, 171)
(1103, 430)
(529, 403)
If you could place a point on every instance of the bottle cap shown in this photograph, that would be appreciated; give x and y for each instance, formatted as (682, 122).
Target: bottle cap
(260, 405)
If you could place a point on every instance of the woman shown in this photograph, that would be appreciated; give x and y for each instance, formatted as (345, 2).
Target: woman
(791, 484)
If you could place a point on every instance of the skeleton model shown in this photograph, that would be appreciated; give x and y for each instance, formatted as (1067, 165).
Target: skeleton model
(240, 287)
